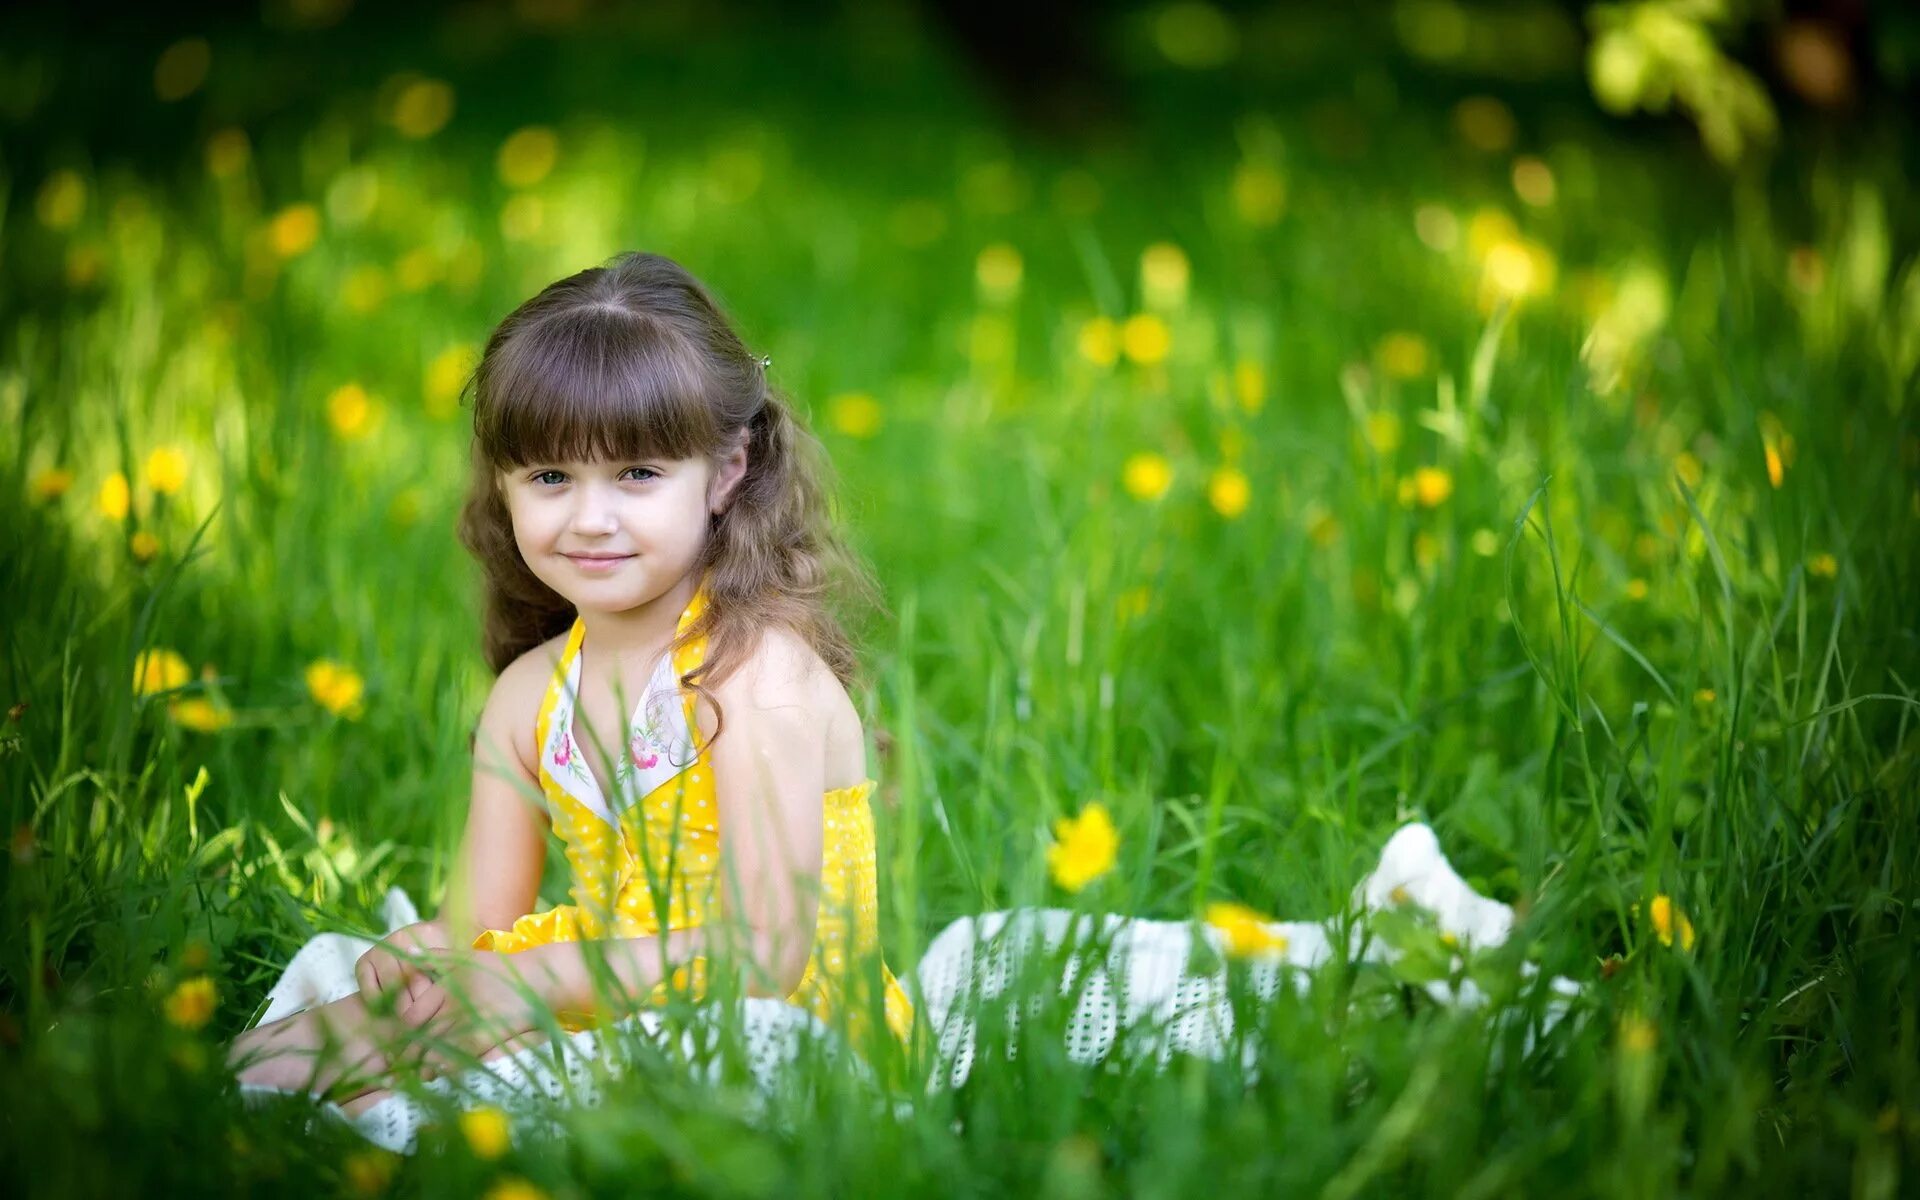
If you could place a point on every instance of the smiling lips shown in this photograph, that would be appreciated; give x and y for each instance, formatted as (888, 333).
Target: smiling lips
(598, 562)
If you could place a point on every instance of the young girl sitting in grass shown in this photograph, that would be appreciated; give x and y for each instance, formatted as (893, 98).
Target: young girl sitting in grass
(671, 701)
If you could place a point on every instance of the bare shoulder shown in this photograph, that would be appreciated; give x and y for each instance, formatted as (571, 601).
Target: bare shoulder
(783, 670)
(513, 706)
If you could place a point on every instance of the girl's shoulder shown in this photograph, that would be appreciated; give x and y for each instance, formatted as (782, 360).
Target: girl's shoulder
(782, 668)
(513, 706)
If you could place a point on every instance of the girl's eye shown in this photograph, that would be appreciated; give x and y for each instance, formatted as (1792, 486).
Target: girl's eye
(539, 476)
(648, 471)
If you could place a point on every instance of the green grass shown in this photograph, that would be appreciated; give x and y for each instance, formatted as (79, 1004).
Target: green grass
(1616, 660)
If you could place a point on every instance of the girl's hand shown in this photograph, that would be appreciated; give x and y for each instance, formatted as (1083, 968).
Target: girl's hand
(474, 1000)
(391, 970)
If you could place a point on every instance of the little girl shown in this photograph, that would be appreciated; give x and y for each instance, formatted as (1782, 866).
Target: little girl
(671, 701)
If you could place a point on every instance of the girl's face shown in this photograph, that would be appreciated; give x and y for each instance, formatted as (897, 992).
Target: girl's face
(612, 535)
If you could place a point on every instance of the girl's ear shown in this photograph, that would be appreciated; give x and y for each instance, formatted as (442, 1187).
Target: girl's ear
(732, 469)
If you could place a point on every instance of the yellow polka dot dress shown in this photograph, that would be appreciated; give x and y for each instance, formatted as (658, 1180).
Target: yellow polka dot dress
(654, 865)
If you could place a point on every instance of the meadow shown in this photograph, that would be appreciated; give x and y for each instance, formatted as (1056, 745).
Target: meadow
(1270, 469)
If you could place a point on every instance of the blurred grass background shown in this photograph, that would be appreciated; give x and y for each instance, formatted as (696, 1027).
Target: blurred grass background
(1272, 423)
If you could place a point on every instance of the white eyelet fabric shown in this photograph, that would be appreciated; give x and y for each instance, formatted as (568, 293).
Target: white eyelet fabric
(1139, 988)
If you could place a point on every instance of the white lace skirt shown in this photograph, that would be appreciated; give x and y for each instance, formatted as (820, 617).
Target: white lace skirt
(1129, 985)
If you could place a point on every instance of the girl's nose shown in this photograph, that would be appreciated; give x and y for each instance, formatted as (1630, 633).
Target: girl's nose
(593, 513)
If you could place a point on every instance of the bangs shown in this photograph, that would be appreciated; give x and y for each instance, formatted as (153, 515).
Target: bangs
(592, 385)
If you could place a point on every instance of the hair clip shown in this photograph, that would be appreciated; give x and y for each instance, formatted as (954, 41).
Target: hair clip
(766, 360)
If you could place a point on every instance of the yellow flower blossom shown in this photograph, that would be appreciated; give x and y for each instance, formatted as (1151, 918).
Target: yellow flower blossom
(422, 108)
(486, 1130)
(143, 546)
(1667, 920)
(447, 374)
(1099, 341)
(1084, 847)
(166, 471)
(159, 670)
(62, 200)
(997, 273)
(513, 1188)
(51, 483)
(1404, 355)
(1704, 697)
(1164, 275)
(338, 688)
(350, 410)
(1533, 181)
(1383, 431)
(369, 1171)
(1432, 486)
(115, 497)
(527, 156)
(1249, 385)
(1823, 565)
(1259, 194)
(1132, 604)
(294, 230)
(1243, 932)
(1147, 475)
(199, 714)
(855, 414)
(1229, 492)
(1637, 1034)
(1145, 339)
(190, 1004)
(1636, 589)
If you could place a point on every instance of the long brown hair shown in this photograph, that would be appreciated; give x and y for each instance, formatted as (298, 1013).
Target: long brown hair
(635, 360)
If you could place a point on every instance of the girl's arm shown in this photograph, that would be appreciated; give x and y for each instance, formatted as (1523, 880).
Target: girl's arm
(496, 872)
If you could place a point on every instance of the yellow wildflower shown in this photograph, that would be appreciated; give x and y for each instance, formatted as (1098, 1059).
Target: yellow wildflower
(1099, 341)
(1243, 932)
(182, 68)
(1147, 475)
(1432, 486)
(1383, 431)
(855, 414)
(159, 670)
(527, 156)
(416, 269)
(1084, 847)
(369, 1171)
(1637, 1034)
(1259, 194)
(350, 410)
(997, 273)
(199, 714)
(1636, 589)
(190, 1004)
(61, 199)
(1823, 565)
(1164, 275)
(338, 688)
(446, 375)
(513, 1188)
(115, 497)
(422, 108)
(1533, 181)
(50, 484)
(1145, 339)
(143, 546)
(167, 470)
(486, 1131)
(1250, 385)
(1704, 697)
(1404, 355)
(1666, 919)
(1229, 492)
(294, 230)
